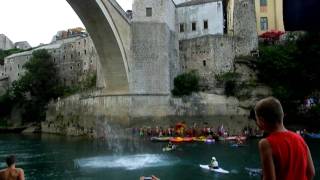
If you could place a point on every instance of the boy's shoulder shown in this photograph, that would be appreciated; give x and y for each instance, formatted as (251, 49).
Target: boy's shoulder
(292, 137)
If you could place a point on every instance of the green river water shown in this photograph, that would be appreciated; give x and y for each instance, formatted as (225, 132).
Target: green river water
(56, 157)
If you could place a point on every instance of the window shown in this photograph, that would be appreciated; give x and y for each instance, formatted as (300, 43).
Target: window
(204, 63)
(194, 26)
(85, 51)
(263, 3)
(148, 12)
(54, 60)
(71, 67)
(79, 53)
(205, 24)
(181, 27)
(264, 23)
(64, 57)
(71, 56)
(18, 66)
(18, 74)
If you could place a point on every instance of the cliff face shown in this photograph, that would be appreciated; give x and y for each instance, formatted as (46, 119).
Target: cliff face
(89, 114)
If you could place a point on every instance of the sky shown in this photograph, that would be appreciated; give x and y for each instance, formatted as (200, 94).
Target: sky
(37, 21)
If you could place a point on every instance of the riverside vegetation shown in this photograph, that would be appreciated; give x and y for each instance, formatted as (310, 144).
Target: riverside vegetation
(291, 69)
(33, 91)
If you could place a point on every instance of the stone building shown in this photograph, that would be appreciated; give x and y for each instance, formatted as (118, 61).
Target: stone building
(75, 58)
(5, 42)
(22, 45)
(154, 46)
(171, 37)
(215, 42)
(199, 18)
(3, 80)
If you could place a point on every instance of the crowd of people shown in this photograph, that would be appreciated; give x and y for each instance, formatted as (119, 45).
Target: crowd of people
(182, 130)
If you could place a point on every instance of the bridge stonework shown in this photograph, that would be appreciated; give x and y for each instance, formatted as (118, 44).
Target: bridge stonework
(141, 55)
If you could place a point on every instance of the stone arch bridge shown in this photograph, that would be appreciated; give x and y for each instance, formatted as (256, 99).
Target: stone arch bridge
(110, 31)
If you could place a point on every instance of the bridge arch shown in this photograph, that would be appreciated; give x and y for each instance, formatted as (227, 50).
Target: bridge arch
(110, 31)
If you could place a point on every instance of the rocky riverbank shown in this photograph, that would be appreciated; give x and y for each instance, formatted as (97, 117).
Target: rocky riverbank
(91, 114)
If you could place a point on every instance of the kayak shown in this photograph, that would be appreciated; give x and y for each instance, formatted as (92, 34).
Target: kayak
(209, 141)
(219, 170)
(160, 139)
(199, 139)
(238, 145)
(233, 138)
(313, 136)
(180, 139)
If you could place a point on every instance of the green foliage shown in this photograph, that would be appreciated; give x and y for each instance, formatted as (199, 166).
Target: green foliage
(88, 83)
(229, 76)
(5, 53)
(6, 104)
(186, 83)
(35, 89)
(291, 69)
(229, 80)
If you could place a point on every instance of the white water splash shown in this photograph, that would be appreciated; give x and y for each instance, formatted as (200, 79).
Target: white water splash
(129, 162)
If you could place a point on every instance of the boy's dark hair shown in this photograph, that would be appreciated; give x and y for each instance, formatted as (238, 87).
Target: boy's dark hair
(10, 160)
(270, 110)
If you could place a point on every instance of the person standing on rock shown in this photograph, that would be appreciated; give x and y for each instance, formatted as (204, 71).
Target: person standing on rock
(11, 173)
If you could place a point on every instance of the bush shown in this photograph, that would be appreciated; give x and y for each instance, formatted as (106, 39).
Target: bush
(229, 80)
(230, 88)
(186, 83)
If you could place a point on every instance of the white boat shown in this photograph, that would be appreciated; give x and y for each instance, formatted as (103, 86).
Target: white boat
(219, 170)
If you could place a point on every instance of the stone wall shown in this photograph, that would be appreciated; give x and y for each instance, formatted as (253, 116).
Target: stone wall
(209, 55)
(5, 42)
(84, 114)
(154, 49)
(163, 11)
(244, 26)
(3, 85)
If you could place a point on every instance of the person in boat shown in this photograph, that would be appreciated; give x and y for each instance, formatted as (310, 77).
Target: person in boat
(171, 145)
(214, 163)
(11, 173)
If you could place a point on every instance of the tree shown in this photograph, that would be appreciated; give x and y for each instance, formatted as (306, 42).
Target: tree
(32, 92)
(291, 69)
(186, 83)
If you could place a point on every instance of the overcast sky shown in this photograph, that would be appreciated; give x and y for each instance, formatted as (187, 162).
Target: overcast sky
(37, 21)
